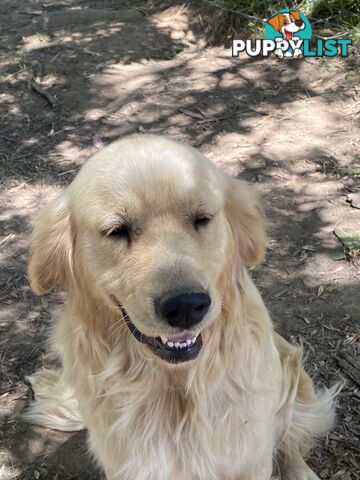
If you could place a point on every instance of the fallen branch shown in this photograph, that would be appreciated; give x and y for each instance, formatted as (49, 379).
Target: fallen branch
(41, 91)
(333, 36)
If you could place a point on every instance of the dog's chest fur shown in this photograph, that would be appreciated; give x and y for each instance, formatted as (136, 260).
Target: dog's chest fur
(148, 426)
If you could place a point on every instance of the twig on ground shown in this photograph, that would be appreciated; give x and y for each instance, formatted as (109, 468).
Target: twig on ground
(32, 12)
(322, 20)
(41, 91)
(55, 57)
(333, 36)
(65, 173)
(7, 239)
(91, 52)
(191, 113)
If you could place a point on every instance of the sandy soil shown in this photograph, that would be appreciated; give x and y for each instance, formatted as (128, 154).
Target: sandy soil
(116, 68)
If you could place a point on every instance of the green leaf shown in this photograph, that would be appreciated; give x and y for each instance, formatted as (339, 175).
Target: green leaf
(349, 237)
(349, 171)
(337, 256)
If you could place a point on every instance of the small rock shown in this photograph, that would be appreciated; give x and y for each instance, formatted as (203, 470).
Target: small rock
(354, 199)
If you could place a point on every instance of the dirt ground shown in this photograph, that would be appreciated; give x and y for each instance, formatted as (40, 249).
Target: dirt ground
(119, 67)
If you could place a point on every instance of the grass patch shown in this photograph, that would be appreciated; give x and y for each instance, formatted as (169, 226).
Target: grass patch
(233, 16)
(337, 16)
(333, 17)
(25, 64)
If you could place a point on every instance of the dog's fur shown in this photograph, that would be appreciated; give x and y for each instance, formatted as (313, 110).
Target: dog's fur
(245, 402)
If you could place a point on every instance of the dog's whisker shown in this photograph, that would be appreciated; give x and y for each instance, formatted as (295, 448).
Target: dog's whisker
(117, 330)
(116, 323)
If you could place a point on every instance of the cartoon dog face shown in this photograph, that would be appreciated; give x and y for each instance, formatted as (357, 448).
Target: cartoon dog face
(287, 23)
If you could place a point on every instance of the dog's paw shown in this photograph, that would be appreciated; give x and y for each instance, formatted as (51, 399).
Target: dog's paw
(296, 469)
(279, 53)
(297, 53)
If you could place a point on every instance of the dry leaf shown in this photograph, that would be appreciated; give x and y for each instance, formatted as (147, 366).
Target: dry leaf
(191, 113)
(320, 291)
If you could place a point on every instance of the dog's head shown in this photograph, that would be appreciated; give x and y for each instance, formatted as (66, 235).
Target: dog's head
(150, 229)
(287, 23)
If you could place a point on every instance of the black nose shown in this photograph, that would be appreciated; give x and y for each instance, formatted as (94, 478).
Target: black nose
(299, 23)
(184, 310)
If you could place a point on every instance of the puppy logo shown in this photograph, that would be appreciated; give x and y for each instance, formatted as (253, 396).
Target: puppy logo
(289, 28)
(287, 34)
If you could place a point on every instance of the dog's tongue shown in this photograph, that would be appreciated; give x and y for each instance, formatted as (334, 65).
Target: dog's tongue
(181, 338)
(288, 35)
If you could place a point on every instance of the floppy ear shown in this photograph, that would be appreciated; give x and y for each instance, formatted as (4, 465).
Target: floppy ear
(51, 247)
(295, 14)
(275, 22)
(245, 215)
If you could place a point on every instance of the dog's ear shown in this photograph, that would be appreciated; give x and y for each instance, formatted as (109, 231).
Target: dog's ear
(275, 22)
(295, 14)
(51, 247)
(247, 222)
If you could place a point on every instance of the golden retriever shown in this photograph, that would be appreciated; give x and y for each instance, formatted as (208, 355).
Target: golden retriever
(170, 359)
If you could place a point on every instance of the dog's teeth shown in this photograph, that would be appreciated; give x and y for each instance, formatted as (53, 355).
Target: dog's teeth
(184, 344)
(164, 339)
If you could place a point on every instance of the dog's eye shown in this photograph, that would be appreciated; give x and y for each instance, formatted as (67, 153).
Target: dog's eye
(201, 221)
(119, 231)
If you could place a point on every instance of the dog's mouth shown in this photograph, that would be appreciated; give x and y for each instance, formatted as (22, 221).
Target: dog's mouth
(172, 349)
(288, 35)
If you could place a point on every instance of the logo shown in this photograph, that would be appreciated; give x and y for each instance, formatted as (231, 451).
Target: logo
(287, 34)
(288, 28)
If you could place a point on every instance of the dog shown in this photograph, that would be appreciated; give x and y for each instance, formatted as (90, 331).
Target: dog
(169, 356)
(288, 24)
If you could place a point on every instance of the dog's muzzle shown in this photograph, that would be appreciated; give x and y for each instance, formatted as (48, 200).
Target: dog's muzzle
(175, 349)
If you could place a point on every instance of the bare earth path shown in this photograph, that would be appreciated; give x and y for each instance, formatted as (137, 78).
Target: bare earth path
(116, 68)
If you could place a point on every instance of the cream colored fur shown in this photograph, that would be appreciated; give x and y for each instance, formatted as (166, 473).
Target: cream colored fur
(245, 403)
